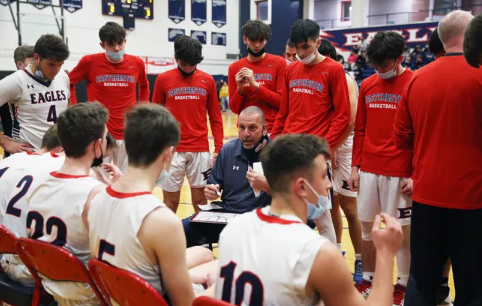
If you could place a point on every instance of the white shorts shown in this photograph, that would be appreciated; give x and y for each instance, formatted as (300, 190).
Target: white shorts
(380, 193)
(343, 172)
(195, 165)
(16, 270)
(118, 156)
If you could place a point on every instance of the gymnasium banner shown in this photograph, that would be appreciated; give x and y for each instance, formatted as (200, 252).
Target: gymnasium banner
(72, 5)
(40, 4)
(5, 2)
(414, 33)
(175, 33)
(198, 11)
(218, 39)
(219, 12)
(199, 35)
(177, 10)
(156, 65)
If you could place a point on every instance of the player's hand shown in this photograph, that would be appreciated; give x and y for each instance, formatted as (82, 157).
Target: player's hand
(12, 147)
(354, 180)
(257, 180)
(388, 240)
(114, 171)
(210, 192)
(334, 164)
(240, 81)
(249, 75)
(407, 187)
(215, 156)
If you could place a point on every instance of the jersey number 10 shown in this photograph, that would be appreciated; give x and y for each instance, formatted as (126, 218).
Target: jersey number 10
(257, 292)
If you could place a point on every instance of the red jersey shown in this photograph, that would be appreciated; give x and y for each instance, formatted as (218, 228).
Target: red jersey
(315, 101)
(269, 73)
(440, 117)
(113, 85)
(373, 146)
(188, 99)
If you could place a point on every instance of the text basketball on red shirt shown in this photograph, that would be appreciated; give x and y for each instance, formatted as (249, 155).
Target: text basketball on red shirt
(188, 99)
(373, 147)
(113, 85)
(315, 101)
(269, 74)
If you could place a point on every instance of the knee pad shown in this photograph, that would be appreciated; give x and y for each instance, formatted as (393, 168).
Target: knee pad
(366, 231)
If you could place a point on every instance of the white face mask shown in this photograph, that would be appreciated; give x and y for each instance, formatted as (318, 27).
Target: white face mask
(389, 74)
(307, 60)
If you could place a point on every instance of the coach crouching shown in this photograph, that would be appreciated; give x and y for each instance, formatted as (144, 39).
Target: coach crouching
(233, 179)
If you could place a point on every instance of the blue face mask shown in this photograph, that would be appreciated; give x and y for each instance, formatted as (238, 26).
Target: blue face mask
(163, 176)
(116, 56)
(316, 210)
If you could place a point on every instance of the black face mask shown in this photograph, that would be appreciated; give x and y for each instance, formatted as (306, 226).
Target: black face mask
(185, 74)
(256, 54)
(253, 153)
(98, 161)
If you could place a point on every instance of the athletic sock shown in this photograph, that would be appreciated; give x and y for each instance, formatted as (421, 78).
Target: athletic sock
(339, 245)
(402, 280)
(369, 276)
(358, 257)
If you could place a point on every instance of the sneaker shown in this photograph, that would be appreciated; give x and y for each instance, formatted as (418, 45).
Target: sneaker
(343, 253)
(364, 288)
(443, 297)
(358, 275)
(399, 295)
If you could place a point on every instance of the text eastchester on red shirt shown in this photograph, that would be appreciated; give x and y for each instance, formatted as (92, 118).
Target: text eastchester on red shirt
(113, 85)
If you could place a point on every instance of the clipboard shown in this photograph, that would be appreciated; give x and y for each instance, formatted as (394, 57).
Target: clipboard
(213, 217)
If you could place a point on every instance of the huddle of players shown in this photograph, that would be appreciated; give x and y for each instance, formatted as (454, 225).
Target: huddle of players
(294, 165)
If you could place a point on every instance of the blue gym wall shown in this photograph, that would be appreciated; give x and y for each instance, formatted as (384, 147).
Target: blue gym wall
(284, 14)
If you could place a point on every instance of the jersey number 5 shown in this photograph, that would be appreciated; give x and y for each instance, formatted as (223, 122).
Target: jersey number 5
(52, 116)
(257, 292)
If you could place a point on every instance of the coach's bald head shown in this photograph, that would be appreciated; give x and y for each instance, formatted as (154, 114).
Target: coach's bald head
(452, 28)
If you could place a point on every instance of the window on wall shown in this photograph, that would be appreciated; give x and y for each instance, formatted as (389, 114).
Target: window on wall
(443, 7)
(345, 10)
(262, 10)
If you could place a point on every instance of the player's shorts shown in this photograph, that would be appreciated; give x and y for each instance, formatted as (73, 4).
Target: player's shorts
(380, 193)
(118, 156)
(16, 270)
(343, 172)
(195, 165)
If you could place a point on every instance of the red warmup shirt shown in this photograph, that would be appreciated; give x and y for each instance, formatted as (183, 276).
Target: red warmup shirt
(269, 73)
(188, 99)
(113, 85)
(440, 117)
(373, 146)
(315, 101)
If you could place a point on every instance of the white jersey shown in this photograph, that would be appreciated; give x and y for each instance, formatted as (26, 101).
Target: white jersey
(30, 178)
(59, 203)
(36, 171)
(11, 170)
(266, 260)
(114, 222)
(35, 103)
